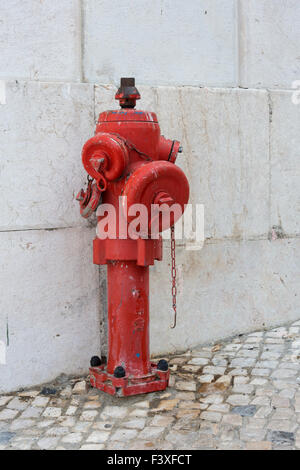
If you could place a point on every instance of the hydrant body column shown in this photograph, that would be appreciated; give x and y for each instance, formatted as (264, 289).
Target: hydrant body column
(129, 162)
(128, 317)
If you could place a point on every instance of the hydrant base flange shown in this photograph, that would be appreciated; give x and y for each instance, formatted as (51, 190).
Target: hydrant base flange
(155, 381)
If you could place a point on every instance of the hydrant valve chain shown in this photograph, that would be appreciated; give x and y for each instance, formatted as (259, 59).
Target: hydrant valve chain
(173, 273)
(133, 147)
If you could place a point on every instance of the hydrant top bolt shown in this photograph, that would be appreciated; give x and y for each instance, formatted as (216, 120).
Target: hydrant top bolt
(127, 94)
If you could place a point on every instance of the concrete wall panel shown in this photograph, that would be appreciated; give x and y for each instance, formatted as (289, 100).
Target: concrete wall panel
(49, 306)
(285, 166)
(43, 127)
(269, 37)
(225, 289)
(162, 42)
(40, 40)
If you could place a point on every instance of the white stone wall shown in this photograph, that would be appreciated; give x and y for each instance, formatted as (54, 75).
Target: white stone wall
(221, 76)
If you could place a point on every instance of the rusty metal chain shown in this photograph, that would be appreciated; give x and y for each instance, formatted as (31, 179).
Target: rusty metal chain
(173, 273)
(133, 147)
(101, 183)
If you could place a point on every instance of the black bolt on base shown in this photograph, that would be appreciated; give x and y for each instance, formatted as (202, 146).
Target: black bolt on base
(95, 361)
(119, 372)
(162, 365)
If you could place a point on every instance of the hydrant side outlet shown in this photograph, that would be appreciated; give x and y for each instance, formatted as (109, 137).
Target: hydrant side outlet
(129, 157)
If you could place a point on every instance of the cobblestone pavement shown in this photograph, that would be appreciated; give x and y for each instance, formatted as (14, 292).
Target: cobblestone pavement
(242, 394)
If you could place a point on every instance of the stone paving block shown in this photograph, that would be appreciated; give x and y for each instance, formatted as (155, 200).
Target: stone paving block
(45, 423)
(287, 393)
(265, 392)
(68, 421)
(4, 400)
(214, 370)
(231, 445)
(281, 437)
(280, 402)
(238, 372)
(151, 432)
(206, 378)
(283, 413)
(214, 398)
(52, 412)
(258, 381)
(262, 400)
(186, 386)
(258, 423)
(198, 361)
(124, 434)
(17, 404)
(219, 407)
(187, 413)
(57, 431)
(267, 364)
(71, 410)
(238, 399)
(114, 412)
(181, 438)
(166, 405)
(248, 410)
(162, 420)
(138, 423)
(243, 388)
(252, 434)
(138, 413)
(40, 40)
(211, 416)
(22, 443)
(19, 424)
(98, 436)
(47, 443)
(240, 380)
(232, 420)
(8, 414)
(205, 58)
(31, 412)
(281, 425)
(260, 372)
(259, 445)
(283, 373)
(5, 437)
(92, 447)
(50, 169)
(269, 35)
(80, 387)
(89, 415)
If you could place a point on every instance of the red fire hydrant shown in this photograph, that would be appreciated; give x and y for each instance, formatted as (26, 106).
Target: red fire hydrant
(129, 157)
